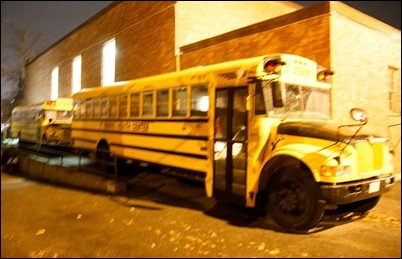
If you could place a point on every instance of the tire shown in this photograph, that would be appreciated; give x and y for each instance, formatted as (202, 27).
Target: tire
(104, 158)
(360, 206)
(102, 151)
(294, 200)
(43, 141)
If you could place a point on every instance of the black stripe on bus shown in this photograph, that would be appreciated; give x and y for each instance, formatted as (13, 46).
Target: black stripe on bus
(162, 151)
(150, 149)
(204, 138)
(85, 140)
(196, 173)
(146, 119)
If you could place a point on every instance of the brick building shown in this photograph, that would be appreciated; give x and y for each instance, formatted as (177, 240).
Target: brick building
(159, 37)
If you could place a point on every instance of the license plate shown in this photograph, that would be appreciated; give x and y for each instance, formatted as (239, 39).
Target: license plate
(374, 187)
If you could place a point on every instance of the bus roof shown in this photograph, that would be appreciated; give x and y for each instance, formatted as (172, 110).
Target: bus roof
(62, 104)
(235, 71)
(183, 77)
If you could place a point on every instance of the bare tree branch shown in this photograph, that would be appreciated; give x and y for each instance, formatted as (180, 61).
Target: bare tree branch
(18, 46)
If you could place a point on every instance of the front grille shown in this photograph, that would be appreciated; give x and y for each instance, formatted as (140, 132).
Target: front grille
(372, 156)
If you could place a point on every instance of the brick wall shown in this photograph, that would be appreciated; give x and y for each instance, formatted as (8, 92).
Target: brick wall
(199, 20)
(296, 38)
(144, 36)
(360, 58)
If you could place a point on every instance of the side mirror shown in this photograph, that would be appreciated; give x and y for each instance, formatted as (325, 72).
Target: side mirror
(359, 115)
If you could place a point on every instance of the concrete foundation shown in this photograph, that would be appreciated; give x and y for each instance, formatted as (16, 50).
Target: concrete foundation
(67, 171)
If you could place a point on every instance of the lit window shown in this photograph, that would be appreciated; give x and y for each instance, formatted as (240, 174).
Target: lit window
(76, 77)
(108, 62)
(54, 92)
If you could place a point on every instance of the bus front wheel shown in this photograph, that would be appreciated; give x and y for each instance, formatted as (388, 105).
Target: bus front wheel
(294, 200)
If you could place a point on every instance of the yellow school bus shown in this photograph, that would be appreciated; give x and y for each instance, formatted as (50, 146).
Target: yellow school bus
(257, 131)
(49, 121)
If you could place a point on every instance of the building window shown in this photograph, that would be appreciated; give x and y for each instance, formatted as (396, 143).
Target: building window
(54, 92)
(108, 62)
(394, 90)
(76, 75)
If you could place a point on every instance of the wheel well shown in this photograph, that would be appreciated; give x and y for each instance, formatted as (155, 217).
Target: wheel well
(102, 150)
(271, 170)
(102, 144)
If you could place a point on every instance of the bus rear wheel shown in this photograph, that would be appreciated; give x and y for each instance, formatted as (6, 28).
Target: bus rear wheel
(294, 200)
(104, 158)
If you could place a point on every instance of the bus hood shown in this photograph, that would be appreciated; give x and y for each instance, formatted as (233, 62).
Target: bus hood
(335, 133)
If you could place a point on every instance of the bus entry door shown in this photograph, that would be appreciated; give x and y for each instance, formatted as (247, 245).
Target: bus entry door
(230, 144)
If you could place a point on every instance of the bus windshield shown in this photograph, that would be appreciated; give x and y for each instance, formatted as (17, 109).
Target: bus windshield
(298, 101)
(58, 116)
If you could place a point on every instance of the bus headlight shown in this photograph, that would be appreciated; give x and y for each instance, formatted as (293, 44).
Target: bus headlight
(334, 171)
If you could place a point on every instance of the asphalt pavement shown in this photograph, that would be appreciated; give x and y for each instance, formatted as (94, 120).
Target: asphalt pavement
(164, 217)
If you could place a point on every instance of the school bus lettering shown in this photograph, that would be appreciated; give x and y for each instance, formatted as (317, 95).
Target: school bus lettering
(140, 126)
(125, 126)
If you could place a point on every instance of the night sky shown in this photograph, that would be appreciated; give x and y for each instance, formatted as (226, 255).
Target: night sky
(52, 19)
(388, 12)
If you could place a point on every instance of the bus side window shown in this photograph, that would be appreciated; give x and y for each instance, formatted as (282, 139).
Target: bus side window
(89, 108)
(199, 100)
(97, 108)
(134, 105)
(76, 109)
(179, 101)
(162, 102)
(147, 103)
(113, 107)
(105, 107)
(123, 106)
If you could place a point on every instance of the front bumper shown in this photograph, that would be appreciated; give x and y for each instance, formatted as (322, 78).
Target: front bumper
(350, 192)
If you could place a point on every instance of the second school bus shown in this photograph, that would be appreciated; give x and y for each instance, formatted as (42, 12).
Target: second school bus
(257, 131)
(48, 121)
